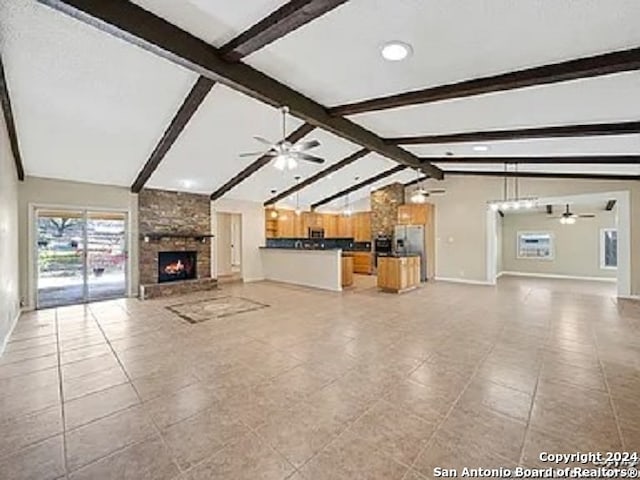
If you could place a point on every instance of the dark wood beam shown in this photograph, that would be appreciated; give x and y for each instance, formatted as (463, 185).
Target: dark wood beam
(189, 106)
(560, 159)
(284, 20)
(281, 22)
(262, 161)
(579, 176)
(358, 186)
(586, 67)
(139, 27)
(610, 205)
(561, 131)
(318, 176)
(11, 125)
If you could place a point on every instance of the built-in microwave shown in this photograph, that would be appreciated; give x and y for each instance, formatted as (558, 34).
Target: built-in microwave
(316, 232)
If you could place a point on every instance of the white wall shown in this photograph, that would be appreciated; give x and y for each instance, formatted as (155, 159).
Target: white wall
(576, 247)
(36, 191)
(253, 235)
(461, 235)
(223, 243)
(9, 276)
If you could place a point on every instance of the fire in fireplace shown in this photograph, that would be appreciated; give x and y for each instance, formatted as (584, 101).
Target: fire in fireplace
(173, 266)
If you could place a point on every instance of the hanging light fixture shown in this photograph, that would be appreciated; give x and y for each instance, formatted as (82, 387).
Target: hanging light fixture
(515, 203)
(298, 211)
(347, 211)
(419, 195)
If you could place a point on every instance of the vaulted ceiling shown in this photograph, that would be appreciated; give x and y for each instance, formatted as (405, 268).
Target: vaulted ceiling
(91, 107)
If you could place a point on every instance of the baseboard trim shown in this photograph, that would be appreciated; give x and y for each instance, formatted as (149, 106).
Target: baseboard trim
(560, 277)
(252, 280)
(635, 298)
(463, 280)
(3, 345)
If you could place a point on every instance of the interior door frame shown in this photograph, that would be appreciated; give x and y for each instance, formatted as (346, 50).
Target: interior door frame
(32, 263)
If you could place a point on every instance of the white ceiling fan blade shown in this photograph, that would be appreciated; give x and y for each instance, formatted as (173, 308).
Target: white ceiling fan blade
(251, 154)
(309, 158)
(308, 145)
(263, 140)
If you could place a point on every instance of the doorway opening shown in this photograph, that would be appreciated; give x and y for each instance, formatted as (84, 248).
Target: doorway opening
(229, 247)
(584, 237)
(81, 256)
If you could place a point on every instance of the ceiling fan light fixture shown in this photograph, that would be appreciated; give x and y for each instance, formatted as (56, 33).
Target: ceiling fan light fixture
(292, 163)
(481, 148)
(280, 162)
(495, 207)
(418, 197)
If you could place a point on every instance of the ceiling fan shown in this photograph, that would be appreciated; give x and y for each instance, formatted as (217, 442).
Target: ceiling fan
(287, 154)
(421, 194)
(569, 218)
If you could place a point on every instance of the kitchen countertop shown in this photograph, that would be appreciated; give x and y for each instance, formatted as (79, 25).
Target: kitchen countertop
(398, 255)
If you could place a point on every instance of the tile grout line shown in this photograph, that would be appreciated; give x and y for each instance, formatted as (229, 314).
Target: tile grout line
(61, 391)
(612, 404)
(455, 402)
(533, 399)
(149, 417)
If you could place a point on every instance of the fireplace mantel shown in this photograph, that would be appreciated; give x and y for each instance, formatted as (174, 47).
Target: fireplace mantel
(156, 236)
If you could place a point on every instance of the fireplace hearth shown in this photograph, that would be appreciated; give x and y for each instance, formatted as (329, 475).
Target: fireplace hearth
(176, 266)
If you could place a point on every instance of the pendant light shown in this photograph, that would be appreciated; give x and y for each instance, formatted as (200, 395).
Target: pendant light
(419, 195)
(516, 202)
(298, 211)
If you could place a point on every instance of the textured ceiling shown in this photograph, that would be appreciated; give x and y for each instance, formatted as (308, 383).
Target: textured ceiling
(90, 107)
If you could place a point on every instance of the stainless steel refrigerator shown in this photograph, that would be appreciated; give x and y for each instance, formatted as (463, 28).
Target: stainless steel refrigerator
(411, 239)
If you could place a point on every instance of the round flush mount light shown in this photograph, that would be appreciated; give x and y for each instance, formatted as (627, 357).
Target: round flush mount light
(187, 183)
(396, 51)
(480, 148)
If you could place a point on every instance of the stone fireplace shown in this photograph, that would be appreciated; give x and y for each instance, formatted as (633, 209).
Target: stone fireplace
(175, 243)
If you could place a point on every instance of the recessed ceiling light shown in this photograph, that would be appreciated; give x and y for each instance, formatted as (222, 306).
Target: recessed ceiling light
(395, 51)
(481, 148)
(187, 183)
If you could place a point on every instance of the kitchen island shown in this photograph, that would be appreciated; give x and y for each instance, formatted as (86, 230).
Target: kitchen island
(398, 273)
(306, 267)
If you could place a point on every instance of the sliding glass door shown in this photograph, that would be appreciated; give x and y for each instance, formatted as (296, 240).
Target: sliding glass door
(81, 256)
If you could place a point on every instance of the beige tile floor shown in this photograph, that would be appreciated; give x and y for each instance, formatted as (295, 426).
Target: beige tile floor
(321, 385)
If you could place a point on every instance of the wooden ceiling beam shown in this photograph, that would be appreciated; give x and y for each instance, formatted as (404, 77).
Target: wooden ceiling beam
(550, 160)
(561, 131)
(11, 124)
(358, 186)
(194, 99)
(257, 164)
(585, 67)
(139, 27)
(318, 176)
(289, 17)
(577, 176)
(281, 22)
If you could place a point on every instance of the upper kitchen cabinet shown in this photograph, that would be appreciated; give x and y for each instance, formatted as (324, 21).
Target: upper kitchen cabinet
(330, 224)
(415, 214)
(362, 227)
(345, 226)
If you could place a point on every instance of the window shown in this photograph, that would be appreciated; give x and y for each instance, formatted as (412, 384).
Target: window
(535, 245)
(609, 248)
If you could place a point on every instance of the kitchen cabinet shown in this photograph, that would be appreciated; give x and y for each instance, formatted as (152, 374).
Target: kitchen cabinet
(362, 262)
(286, 224)
(414, 214)
(362, 227)
(345, 226)
(398, 274)
(330, 224)
(347, 271)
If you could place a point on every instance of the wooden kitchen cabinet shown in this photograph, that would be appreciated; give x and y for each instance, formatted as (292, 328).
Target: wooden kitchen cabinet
(362, 227)
(286, 224)
(330, 224)
(398, 274)
(362, 262)
(414, 214)
(347, 271)
(345, 226)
